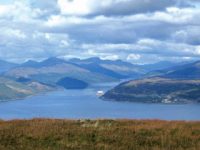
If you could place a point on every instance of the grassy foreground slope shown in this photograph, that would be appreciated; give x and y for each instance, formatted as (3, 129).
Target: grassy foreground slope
(41, 134)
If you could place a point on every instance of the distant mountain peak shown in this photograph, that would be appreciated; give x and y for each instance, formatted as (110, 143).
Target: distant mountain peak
(47, 62)
(74, 59)
(52, 61)
(94, 59)
(31, 62)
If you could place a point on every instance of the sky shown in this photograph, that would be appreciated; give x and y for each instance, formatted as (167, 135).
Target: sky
(138, 31)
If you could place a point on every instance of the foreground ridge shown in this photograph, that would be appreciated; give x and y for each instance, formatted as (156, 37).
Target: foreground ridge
(54, 134)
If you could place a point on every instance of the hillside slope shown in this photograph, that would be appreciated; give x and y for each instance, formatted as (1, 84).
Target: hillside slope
(156, 90)
(10, 89)
(177, 84)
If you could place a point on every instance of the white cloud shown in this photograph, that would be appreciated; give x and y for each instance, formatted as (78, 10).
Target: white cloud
(55, 21)
(12, 33)
(146, 46)
(64, 43)
(110, 57)
(110, 7)
(197, 50)
(17, 33)
(59, 20)
(75, 7)
(127, 29)
(5, 10)
(19, 11)
(132, 57)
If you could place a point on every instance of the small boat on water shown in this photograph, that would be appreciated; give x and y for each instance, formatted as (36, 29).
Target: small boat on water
(100, 93)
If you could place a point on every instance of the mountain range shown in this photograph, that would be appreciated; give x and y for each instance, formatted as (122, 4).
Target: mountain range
(54, 73)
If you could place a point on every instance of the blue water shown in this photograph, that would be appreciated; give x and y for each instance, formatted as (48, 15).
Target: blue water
(78, 104)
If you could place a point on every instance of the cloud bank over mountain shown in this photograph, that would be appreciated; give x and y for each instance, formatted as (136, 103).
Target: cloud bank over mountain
(138, 31)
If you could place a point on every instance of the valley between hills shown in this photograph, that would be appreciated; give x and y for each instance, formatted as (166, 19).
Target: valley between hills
(162, 82)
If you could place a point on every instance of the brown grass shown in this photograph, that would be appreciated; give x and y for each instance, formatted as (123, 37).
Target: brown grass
(46, 134)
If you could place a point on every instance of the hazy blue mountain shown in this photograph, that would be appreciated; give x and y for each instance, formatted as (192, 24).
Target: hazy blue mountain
(93, 67)
(187, 71)
(76, 73)
(52, 61)
(30, 63)
(97, 60)
(114, 68)
(180, 71)
(46, 63)
(70, 83)
(159, 65)
(90, 70)
(100, 61)
(122, 69)
(5, 66)
(51, 70)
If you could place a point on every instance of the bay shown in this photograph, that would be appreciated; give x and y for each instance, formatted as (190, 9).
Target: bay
(85, 104)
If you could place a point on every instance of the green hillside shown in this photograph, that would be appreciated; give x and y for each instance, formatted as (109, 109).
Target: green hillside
(157, 90)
